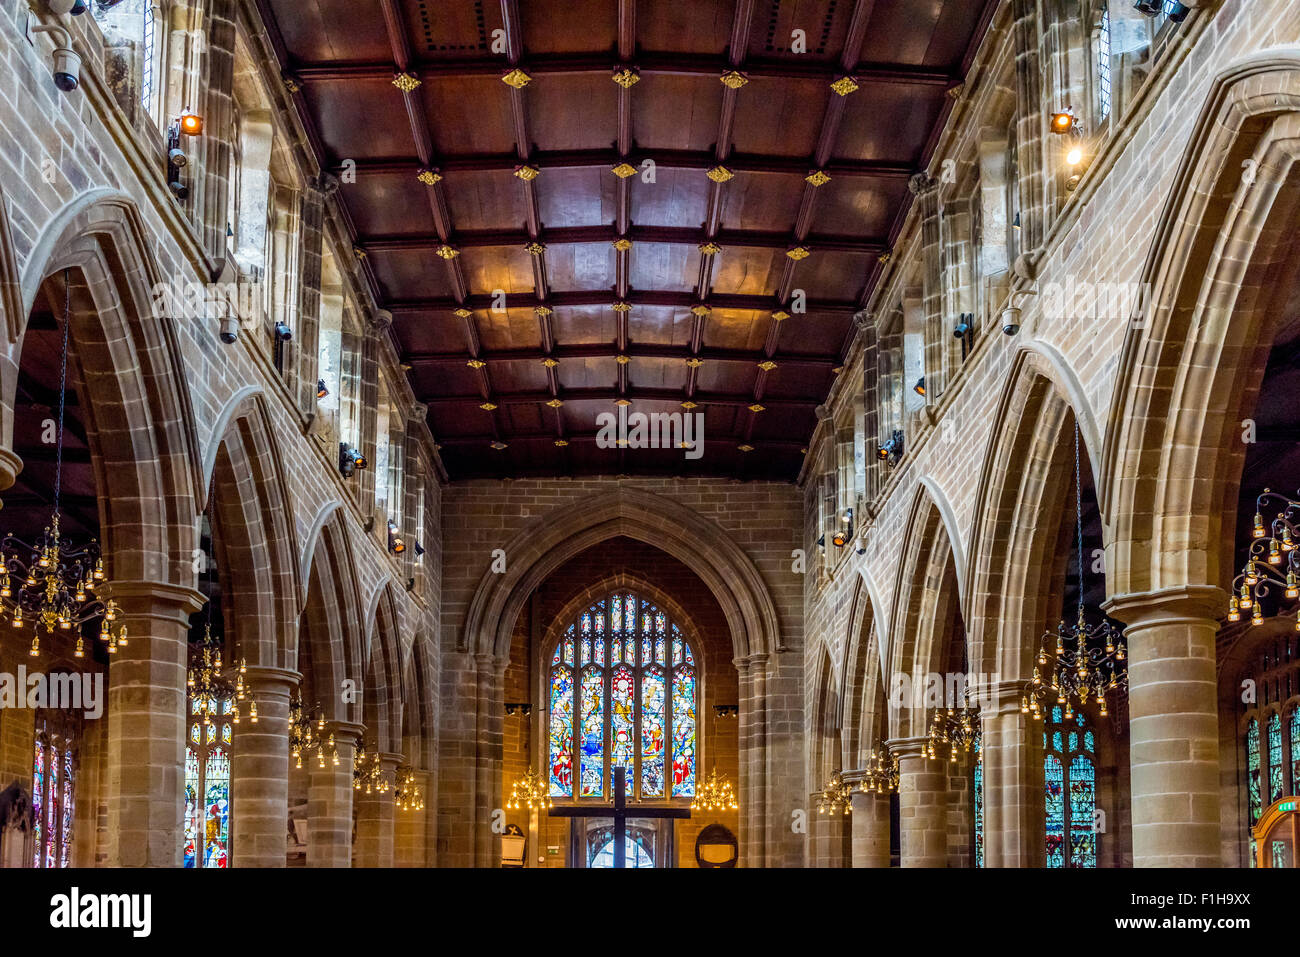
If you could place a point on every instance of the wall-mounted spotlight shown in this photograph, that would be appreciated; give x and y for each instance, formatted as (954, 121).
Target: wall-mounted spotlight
(892, 450)
(187, 124)
(919, 388)
(350, 460)
(1063, 122)
(726, 710)
(844, 534)
(321, 390)
(518, 707)
(395, 543)
(965, 331)
(283, 332)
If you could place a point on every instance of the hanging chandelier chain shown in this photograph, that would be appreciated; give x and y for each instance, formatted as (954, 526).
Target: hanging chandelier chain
(1078, 511)
(63, 391)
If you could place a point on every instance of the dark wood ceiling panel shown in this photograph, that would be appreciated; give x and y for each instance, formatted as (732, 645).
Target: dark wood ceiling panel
(676, 198)
(520, 132)
(332, 30)
(662, 266)
(767, 201)
(700, 26)
(467, 115)
(780, 117)
(484, 200)
(889, 122)
(676, 112)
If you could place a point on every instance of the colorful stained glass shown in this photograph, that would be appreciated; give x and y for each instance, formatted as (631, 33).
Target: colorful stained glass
(616, 614)
(622, 718)
(568, 648)
(38, 801)
(1295, 750)
(216, 814)
(652, 732)
(683, 732)
(1274, 756)
(1054, 791)
(68, 809)
(592, 744)
(191, 806)
(52, 802)
(561, 731)
(1252, 771)
(1083, 808)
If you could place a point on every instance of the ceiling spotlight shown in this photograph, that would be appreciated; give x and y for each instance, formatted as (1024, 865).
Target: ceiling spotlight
(1063, 122)
(919, 388)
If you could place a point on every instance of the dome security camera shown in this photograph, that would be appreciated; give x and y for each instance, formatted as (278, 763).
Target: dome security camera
(1011, 320)
(229, 329)
(67, 62)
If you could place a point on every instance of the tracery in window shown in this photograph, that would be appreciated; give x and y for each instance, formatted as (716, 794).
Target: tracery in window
(1070, 790)
(623, 692)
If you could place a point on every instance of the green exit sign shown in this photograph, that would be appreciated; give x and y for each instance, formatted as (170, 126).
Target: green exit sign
(553, 850)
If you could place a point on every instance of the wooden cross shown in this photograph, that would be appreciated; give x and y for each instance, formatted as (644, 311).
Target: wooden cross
(620, 813)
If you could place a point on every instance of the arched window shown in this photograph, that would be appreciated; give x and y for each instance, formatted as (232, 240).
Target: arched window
(207, 787)
(1070, 786)
(623, 692)
(1103, 65)
(638, 846)
(1295, 749)
(54, 771)
(1274, 757)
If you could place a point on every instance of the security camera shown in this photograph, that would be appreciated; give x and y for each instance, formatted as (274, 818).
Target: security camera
(229, 329)
(177, 157)
(67, 62)
(1011, 320)
(179, 189)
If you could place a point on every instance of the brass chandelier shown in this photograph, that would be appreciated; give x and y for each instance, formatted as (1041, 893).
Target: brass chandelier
(407, 792)
(368, 773)
(957, 729)
(881, 773)
(307, 735)
(1078, 663)
(530, 791)
(1273, 561)
(210, 684)
(51, 584)
(715, 794)
(836, 796)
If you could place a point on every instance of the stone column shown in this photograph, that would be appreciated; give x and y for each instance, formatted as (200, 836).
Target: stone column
(411, 828)
(329, 800)
(922, 804)
(375, 819)
(1013, 789)
(870, 829)
(210, 177)
(490, 681)
(146, 724)
(1030, 123)
(926, 190)
(306, 344)
(752, 736)
(10, 466)
(259, 771)
(1173, 723)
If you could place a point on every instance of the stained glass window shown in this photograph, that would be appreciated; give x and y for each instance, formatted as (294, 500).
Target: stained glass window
(978, 793)
(53, 782)
(1252, 771)
(1274, 757)
(1070, 791)
(632, 707)
(1295, 750)
(206, 832)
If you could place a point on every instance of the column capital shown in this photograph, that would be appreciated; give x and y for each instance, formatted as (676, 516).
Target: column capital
(914, 747)
(160, 598)
(10, 466)
(922, 184)
(756, 662)
(1001, 698)
(485, 663)
(864, 321)
(1167, 606)
(390, 760)
(261, 677)
(348, 731)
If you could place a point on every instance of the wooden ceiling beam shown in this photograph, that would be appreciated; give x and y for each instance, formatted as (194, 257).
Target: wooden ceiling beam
(584, 438)
(643, 297)
(675, 396)
(647, 63)
(605, 350)
(571, 235)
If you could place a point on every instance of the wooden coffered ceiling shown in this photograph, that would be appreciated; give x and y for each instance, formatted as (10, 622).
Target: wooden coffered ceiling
(532, 286)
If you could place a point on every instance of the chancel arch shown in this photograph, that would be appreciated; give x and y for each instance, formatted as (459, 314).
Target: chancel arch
(1222, 271)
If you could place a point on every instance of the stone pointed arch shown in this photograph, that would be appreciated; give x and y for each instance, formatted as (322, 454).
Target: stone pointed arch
(252, 517)
(540, 548)
(1023, 497)
(1192, 363)
(331, 617)
(13, 319)
(383, 693)
(925, 601)
(642, 586)
(129, 366)
(862, 706)
(826, 752)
